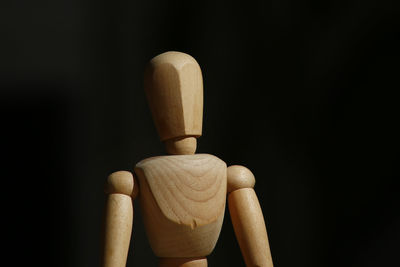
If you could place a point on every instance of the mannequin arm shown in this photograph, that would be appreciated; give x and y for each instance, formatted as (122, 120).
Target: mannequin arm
(247, 218)
(121, 189)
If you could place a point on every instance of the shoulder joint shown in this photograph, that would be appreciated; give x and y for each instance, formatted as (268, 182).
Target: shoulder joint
(239, 177)
(122, 182)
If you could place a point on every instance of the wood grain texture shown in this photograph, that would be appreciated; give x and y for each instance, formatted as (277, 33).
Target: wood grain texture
(248, 223)
(239, 177)
(181, 146)
(182, 200)
(122, 182)
(118, 228)
(174, 87)
(118, 218)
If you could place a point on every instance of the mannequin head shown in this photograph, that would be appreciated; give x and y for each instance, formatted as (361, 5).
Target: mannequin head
(174, 89)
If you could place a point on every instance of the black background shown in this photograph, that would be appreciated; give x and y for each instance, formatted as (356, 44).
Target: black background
(300, 92)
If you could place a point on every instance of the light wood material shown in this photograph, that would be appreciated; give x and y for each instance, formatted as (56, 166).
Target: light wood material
(182, 262)
(248, 223)
(118, 219)
(121, 182)
(183, 202)
(181, 146)
(118, 224)
(174, 88)
(239, 177)
(182, 196)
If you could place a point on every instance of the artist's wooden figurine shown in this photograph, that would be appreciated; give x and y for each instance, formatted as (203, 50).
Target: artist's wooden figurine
(182, 195)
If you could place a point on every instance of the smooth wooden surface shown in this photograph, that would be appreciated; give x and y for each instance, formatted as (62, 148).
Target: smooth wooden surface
(182, 196)
(183, 202)
(118, 218)
(182, 262)
(118, 228)
(121, 182)
(174, 87)
(239, 177)
(181, 146)
(248, 223)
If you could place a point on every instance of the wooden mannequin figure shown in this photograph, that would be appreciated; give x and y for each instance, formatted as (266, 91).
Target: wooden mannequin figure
(182, 195)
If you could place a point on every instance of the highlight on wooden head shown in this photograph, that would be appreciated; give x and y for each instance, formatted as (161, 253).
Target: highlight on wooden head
(174, 87)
